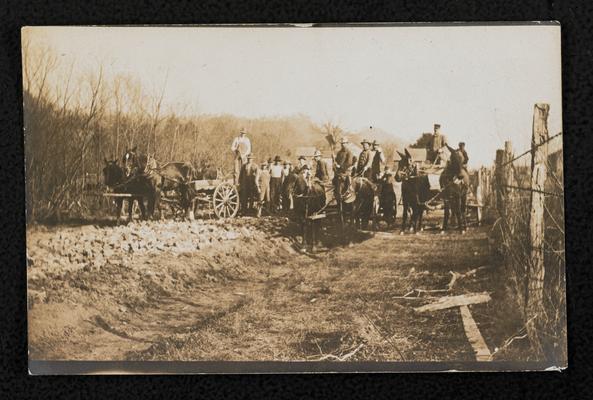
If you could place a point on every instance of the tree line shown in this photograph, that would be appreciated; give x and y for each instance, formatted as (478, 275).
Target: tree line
(75, 120)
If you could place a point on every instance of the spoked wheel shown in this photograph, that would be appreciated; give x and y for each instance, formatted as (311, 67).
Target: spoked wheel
(225, 200)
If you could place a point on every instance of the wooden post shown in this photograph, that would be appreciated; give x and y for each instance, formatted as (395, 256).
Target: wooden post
(535, 286)
(499, 189)
(479, 199)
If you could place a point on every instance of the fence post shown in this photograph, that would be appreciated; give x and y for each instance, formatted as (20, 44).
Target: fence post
(499, 182)
(535, 286)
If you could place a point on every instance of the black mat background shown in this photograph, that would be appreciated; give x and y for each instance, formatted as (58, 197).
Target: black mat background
(577, 36)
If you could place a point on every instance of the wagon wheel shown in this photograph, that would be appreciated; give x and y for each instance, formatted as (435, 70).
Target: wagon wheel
(225, 200)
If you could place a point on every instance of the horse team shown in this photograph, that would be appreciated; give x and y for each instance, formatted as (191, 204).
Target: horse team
(358, 197)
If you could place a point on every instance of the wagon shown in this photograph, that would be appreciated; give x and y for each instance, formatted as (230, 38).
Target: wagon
(219, 195)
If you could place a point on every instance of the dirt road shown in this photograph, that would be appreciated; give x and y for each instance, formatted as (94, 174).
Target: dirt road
(238, 290)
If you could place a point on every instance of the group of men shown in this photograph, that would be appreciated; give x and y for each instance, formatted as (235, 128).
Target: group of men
(261, 185)
(369, 165)
(439, 143)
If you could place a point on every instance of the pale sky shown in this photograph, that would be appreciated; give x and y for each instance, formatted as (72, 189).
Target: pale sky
(479, 83)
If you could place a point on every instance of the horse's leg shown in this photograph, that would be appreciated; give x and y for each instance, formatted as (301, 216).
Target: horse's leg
(119, 205)
(312, 226)
(420, 228)
(446, 216)
(130, 208)
(142, 207)
(404, 218)
(304, 232)
(462, 211)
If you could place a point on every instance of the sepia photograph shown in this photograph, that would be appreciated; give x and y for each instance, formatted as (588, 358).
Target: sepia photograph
(332, 196)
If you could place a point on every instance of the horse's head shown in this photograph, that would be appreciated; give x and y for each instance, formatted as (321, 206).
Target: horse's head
(113, 174)
(130, 160)
(290, 184)
(455, 163)
(405, 167)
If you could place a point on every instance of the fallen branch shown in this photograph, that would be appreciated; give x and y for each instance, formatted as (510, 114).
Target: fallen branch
(455, 276)
(342, 358)
(516, 336)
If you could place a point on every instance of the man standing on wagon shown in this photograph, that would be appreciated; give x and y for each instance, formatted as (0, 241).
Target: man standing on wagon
(378, 161)
(344, 160)
(241, 148)
(321, 170)
(363, 168)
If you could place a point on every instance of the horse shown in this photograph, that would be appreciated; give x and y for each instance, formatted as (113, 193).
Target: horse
(172, 176)
(415, 192)
(344, 196)
(176, 176)
(115, 178)
(308, 198)
(454, 182)
(359, 197)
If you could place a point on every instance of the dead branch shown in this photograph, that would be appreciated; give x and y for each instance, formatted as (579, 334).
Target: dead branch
(342, 358)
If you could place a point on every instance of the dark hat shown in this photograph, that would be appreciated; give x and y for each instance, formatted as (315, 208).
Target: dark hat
(264, 164)
(437, 125)
(461, 144)
(365, 141)
(306, 166)
(343, 140)
(277, 158)
(242, 130)
(375, 143)
(302, 158)
(270, 160)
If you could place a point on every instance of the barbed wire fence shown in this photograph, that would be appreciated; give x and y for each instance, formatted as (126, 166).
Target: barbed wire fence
(527, 196)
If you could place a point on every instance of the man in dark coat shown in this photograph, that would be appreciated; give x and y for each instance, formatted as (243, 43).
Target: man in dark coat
(344, 160)
(302, 161)
(378, 161)
(321, 171)
(363, 168)
(464, 154)
(249, 183)
(388, 198)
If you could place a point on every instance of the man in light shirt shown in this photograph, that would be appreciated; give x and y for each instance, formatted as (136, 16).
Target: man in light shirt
(241, 148)
(276, 175)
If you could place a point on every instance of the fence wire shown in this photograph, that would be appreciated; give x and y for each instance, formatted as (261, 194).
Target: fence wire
(514, 190)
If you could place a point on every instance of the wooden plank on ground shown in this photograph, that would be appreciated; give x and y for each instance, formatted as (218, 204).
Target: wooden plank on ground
(117, 195)
(474, 336)
(455, 301)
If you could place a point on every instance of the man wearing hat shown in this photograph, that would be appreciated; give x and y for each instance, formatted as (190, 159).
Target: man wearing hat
(241, 148)
(463, 153)
(378, 161)
(276, 175)
(344, 160)
(388, 198)
(321, 170)
(437, 142)
(302, 162)
(263, 188)
(248, 183)
(286, 198)
(365, 160)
